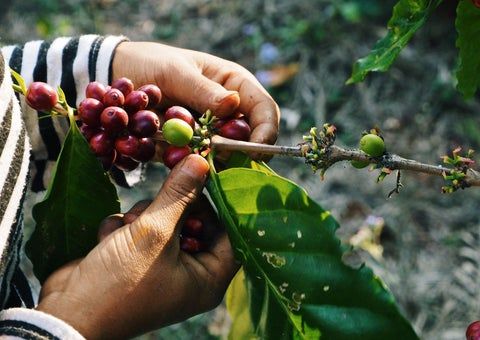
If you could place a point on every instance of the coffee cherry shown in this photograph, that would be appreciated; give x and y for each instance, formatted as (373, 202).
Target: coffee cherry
(41, 96)
(95, 90)
(193, 227)
(473, 331)
(114, 120)
(107, 160)
(177, 132)
(191, 245)
(372, 145)
(154, 94)
(101, 144)
(88, 132)
(89, 111)
(146, 150)
(113, 97)
(359, 164)
(476, 3)
(235, 129)
(174, 154)
(136, 101)
(127, 145)
(219, 123)
(180, 113)
(125, 85)
(125, 163)
(144, 123)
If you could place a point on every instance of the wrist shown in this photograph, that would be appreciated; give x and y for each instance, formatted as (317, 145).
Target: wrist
(72, 312)
(120, 60)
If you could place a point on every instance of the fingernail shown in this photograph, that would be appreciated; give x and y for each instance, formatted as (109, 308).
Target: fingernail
(227, 104)
(196, 166)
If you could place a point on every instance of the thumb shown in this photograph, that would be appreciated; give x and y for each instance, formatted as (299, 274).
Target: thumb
(202, 94)
(181, 188)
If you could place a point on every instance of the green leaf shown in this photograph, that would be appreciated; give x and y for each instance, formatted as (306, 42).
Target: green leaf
(20, 81)
(238, 308)
(297, 283)
(61, 95)
(408, 16)
(468, 42)
(79, 196)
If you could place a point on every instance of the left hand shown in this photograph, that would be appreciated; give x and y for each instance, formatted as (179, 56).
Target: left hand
(200, 81)
(137, 278)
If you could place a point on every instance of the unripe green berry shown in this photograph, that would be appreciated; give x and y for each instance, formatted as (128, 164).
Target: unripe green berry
(372, 145)
(359, 164)
(177, 132)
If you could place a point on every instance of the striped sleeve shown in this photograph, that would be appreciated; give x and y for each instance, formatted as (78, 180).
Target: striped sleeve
(32, 324)
(67, 62)
(14, 163)
(14, 288)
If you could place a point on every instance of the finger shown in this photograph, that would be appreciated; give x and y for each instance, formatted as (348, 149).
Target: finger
(220, 259)
(135, 211)
(261, 110)
(159, 221)
(109, 225)
(189, 87)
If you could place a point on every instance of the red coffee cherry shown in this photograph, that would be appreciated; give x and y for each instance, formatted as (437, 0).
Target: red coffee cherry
(174, 154)
(127, 145)
(136, 101)
(191, 245)
(95, 90)
(146, 150)
(180, 113)
(144, 123)
(101, 144)
(114, 120)
(235, 129)
(193, 227)
(154, 95)
(473, 331)
(113, 97)
(125, 85)
(88, 132)
(41, 96)
(89, 111)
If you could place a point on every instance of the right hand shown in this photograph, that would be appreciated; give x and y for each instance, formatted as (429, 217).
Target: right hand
(137, 278)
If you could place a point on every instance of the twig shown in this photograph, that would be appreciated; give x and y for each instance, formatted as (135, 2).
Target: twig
(337, 154)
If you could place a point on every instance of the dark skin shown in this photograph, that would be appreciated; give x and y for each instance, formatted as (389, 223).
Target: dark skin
(137, 278)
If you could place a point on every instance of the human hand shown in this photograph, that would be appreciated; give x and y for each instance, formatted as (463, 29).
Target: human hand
(200, 81)
(137, 278)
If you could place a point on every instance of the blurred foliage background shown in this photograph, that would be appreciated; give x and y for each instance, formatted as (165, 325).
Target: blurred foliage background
(422, 243)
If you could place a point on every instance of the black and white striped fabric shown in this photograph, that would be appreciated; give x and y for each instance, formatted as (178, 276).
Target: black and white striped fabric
(70, 63)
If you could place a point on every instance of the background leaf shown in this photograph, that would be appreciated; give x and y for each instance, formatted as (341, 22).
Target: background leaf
(297, 283)
(79, 196)
(408, 16)
(468, 42)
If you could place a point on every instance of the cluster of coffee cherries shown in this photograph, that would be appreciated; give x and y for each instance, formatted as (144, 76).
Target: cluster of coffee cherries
(180, 131)
(120, 126)
(118, 123)
(192, 236)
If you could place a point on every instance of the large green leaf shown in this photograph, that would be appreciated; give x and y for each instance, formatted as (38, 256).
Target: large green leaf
(297, 283)
(408, 16)
(468, 42)
(79, 196)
